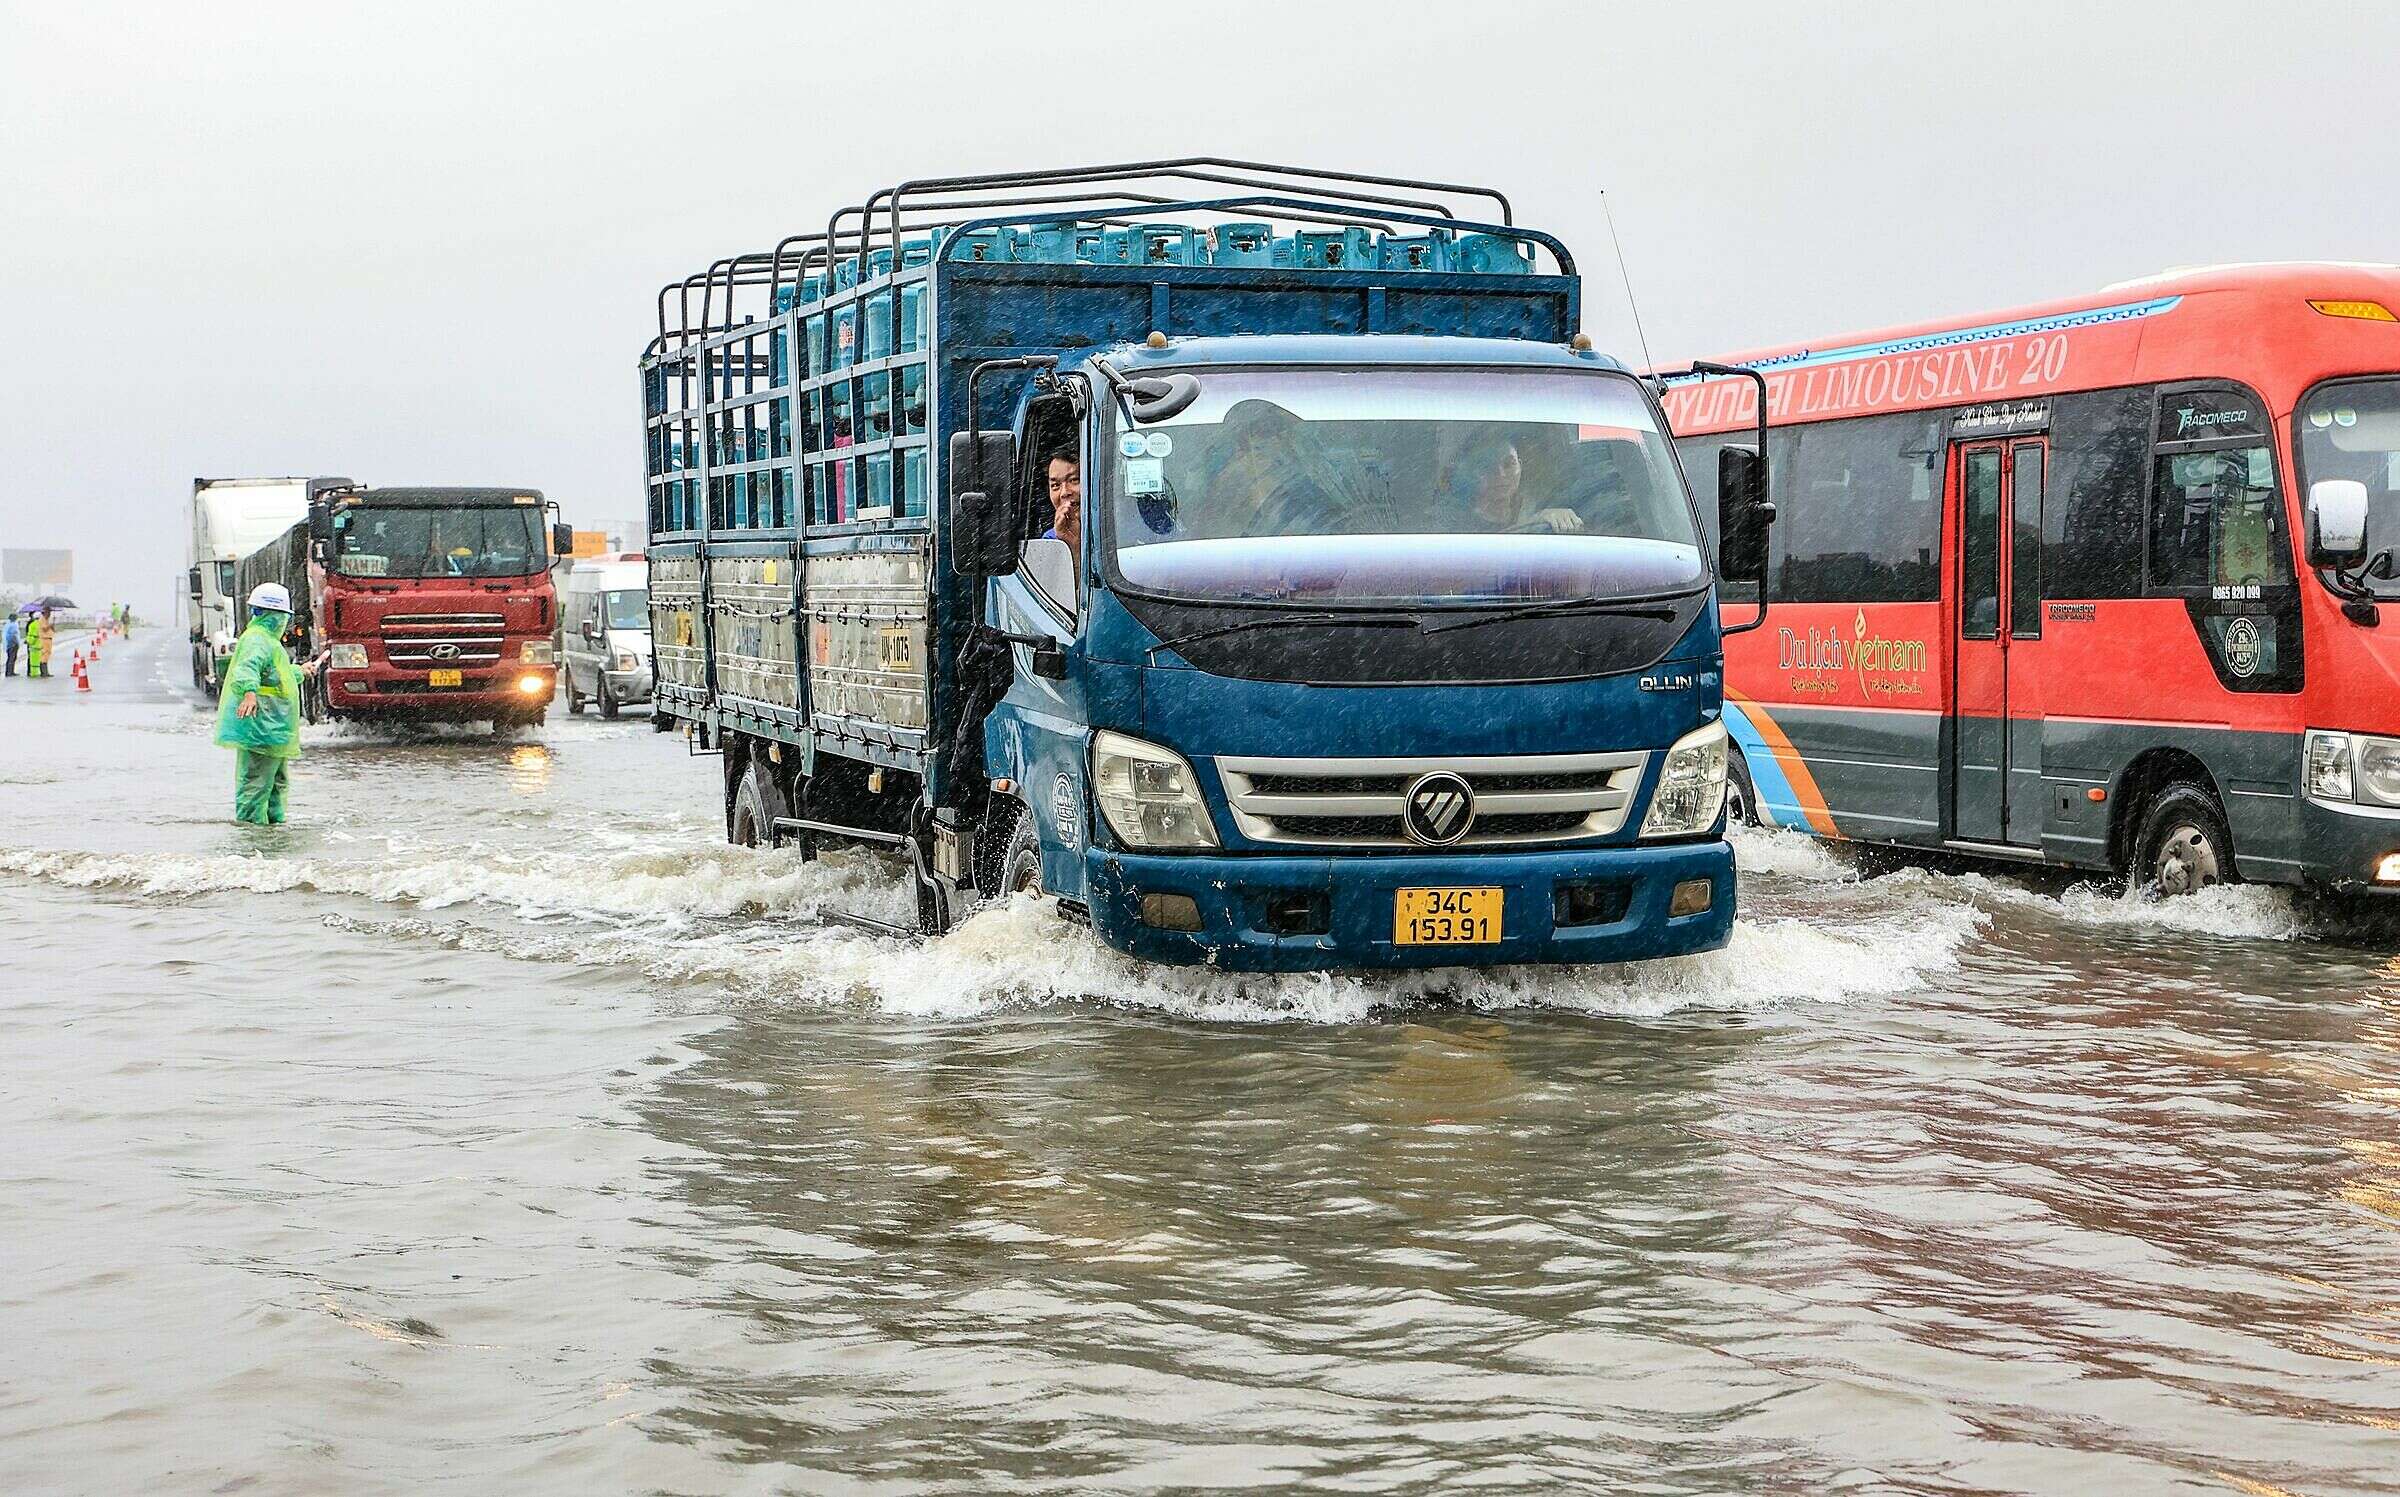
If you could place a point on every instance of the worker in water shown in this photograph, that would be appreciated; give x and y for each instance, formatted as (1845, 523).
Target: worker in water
(37, 643)
(259, 716)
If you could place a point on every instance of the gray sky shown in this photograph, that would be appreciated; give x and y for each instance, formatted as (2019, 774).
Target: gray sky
(419, 241)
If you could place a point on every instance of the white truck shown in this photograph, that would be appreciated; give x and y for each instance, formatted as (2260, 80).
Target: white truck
(232, 517)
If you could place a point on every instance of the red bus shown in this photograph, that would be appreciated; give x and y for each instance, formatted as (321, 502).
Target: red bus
(2099, 582)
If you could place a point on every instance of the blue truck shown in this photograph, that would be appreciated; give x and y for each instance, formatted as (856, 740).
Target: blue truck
(1252, 560)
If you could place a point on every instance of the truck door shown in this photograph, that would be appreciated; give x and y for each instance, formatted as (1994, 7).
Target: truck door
(1995, 767)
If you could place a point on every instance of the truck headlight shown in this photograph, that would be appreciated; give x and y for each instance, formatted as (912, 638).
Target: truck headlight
(349, 658)
(537, 652)
(1148, 794)
(625, 662)
(2352, 767)
(1691, 785)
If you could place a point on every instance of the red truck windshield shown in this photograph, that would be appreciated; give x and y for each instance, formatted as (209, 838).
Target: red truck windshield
(483, 541)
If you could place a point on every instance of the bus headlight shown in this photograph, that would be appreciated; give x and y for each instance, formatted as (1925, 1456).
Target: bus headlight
(1691, 785)
(537, 652)
(348, 657)
(2356, 767)
(1148, 794)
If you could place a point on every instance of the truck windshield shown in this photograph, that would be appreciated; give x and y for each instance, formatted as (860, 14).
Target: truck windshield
(484, 541)
(1422, 487)
(629, 609)
(2352, 430)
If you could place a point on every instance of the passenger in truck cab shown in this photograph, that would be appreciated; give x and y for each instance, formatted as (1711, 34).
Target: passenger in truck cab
(1064, 475)
(1266, 485)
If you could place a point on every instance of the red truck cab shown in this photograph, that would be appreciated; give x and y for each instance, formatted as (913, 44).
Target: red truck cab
(436, 604)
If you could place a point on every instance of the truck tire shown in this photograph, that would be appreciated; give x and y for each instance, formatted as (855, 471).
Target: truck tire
(608, 701)
(1020, 861)
(2184, 845)
(757, 802)
(574, 697)
(1741, 797)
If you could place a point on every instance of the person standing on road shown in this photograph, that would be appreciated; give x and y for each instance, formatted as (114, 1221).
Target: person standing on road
(259, 716)
(12, 638)
(37, 643)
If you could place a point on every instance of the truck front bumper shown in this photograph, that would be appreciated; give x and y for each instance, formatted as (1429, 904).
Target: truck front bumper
(381, 690)
(1277, 913)
(629, 686)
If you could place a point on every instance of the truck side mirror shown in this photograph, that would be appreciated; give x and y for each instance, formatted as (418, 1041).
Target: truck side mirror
(1744, 515)
(320, 524)
(2337, 523)
(562, 539)
(191, 583)
(987, 516)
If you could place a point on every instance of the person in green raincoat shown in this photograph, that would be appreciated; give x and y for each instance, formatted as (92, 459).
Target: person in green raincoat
(259, 714)
(37, 644)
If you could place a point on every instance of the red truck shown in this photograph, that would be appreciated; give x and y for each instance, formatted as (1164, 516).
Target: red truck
(430, 604)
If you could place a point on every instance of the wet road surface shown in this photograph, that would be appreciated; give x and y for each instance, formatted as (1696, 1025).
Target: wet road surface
(494, 1127)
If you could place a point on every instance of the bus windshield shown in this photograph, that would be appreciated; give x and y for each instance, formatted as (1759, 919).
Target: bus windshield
(2352, 430)
(1433, 487)
(482, 541)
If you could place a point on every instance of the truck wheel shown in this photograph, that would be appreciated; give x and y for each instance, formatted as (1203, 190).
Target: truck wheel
(1021, 859)
(574, 697)
(1741, 798)
(608, 701)
(2184, 845)
(757, 802)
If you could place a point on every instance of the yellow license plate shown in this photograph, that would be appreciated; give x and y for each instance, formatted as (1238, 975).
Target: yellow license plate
(443, 678)
(1446, 917)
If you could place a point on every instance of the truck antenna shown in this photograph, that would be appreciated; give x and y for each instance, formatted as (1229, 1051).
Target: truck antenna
(1626, 276)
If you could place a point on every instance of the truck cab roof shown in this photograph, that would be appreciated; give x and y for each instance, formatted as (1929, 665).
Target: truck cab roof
(1372, 349)
(446, 498)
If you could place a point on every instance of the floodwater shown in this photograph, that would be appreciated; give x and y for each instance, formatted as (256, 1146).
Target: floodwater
(494, 1128)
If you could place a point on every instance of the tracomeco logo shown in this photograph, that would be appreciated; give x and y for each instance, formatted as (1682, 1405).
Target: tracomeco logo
(2188, 419)
(1883, 665)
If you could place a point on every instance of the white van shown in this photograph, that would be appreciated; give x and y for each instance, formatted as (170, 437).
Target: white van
(604, 628)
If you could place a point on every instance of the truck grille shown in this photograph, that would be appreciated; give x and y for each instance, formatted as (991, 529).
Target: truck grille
(428, 641)
(1519, 800)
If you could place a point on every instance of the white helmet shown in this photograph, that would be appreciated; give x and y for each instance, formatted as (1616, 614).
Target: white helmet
(270, 595)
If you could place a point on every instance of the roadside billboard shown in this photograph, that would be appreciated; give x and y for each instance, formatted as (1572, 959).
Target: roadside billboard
(25, 567)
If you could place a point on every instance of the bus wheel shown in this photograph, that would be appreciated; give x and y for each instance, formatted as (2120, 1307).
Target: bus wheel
(2184, 846)
(1741, 800)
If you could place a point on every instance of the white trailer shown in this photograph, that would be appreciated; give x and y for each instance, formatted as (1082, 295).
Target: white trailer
(232, 517)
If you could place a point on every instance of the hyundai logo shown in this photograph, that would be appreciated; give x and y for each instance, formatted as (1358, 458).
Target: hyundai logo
(1438, 809)
(444, 652)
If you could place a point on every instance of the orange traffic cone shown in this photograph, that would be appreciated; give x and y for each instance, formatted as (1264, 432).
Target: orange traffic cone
(83, 681)
(77, 668)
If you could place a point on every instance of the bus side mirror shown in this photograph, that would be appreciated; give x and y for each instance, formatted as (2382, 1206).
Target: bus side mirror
(1744, 515)
(986, 518)
(2337, 522)
(562, 539)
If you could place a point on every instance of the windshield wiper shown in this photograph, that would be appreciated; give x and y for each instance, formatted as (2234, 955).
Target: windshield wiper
(1277, 621)
(1655, 606)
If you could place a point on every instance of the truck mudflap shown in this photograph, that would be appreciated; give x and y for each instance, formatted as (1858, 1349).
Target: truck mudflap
(1293, 914)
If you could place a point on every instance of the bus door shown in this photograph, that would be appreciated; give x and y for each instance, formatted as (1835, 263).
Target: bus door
(1999, 612)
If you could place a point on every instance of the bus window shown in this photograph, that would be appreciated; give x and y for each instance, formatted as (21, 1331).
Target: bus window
(1861, 517)
(2092, 522)
(2025, 545)
(1979, 546)
(2214, 521)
